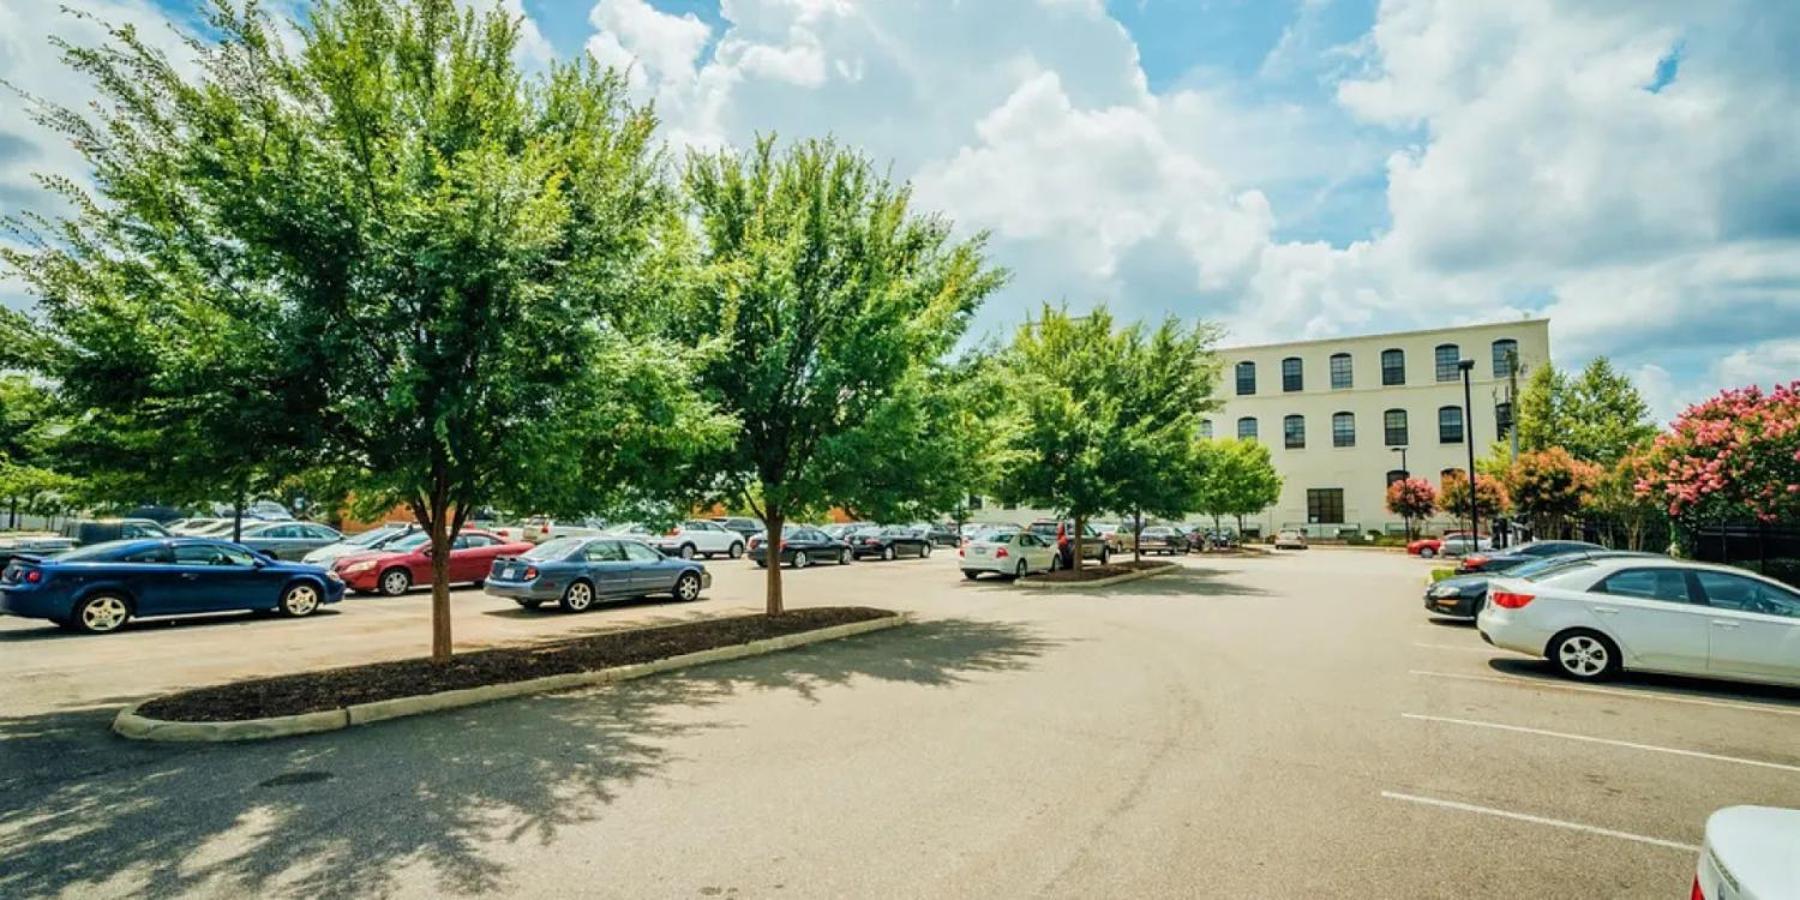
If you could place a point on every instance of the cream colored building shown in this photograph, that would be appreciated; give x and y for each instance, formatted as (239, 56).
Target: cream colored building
(1335, 413)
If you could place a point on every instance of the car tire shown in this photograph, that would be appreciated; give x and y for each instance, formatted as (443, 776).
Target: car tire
(478, 584)
(577, 597)
(1584, 655)
(736, 550)
(1426, 553)
(970, 574)
(845, 557)
(1055, 563)
(761, 564)
(101, 613)
(687, 551)
(800, 560)
(1104, 557)
(1022, 570)
(888, 553)
(926, 552)
(687, 587)
(395, 582)
(300, 600)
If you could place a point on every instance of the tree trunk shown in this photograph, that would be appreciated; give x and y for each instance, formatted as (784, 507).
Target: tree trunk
(237, 519)
(1137, 536)
(1075, 542)
(772, 553)
(441, 538)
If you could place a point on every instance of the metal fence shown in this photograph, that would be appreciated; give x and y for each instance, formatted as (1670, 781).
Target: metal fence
(1771, 549)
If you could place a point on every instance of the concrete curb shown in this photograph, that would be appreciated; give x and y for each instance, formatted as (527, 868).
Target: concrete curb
(1098, 582)
(131, 725)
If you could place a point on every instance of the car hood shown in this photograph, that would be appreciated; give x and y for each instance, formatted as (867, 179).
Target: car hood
(1758, 846)
(350, 558)
(1472, 580)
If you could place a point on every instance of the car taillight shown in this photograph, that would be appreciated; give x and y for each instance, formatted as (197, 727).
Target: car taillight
(1475, 561)
(872, 542)
(959, 552)
(33, 576)
(531, 572)
(1697, 893)
(1000, 553)
(1510, 600)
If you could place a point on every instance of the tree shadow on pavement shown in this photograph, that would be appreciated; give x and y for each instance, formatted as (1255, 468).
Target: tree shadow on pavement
(339, 814)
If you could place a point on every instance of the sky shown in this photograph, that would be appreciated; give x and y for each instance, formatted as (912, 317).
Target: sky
(1291, 169)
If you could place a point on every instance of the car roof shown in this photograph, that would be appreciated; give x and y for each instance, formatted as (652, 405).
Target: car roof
(1611, 562)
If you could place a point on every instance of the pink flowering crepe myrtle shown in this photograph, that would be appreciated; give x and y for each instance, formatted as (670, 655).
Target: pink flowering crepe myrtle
(1732, 457)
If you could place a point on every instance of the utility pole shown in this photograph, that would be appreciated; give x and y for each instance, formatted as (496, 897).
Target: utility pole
(1467, 367)
(1512, 402)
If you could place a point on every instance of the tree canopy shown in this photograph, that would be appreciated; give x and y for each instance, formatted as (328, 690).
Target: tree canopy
(1238, 479)
(1598, 416)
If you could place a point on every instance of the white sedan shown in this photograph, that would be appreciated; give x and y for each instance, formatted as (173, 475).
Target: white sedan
(1008, 553)
(1751, 853)
(1593, 617)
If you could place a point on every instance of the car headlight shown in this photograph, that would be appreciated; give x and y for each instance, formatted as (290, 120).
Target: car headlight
(1445, 590)
(363, 566)
(335, 577)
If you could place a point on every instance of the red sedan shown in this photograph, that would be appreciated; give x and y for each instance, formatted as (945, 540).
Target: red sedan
(397, 567)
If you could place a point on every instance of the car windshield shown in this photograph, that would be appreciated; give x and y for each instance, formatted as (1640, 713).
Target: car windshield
(410, 542)
(101, 551)
(1551, 568)
(996, 535)
(554, 549)
(372, 538)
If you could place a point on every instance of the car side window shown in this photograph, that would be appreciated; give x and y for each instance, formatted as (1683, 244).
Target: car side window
(319, 532)
(235, 556)
(1649, 584)
(148, 556)
(605, 551)
(198, 555)
(481, 540)
(640, 553)
(1747, 595)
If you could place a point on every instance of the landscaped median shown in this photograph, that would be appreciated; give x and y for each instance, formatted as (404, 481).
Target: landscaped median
(1093, 576)
(356, 695)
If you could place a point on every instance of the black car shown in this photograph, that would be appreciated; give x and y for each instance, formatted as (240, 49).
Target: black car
(889, 543)
(743, 525)
(1463, 596)
(1162, 539)
(941, 534)
(801, 546)
(1513, 556)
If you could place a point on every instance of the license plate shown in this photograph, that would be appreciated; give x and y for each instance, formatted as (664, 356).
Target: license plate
(1447, 601)
(980, 551)
(510, 572)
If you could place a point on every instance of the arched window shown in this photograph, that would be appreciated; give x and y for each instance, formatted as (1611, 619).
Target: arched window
(1450, 425)
(1393, 426)
(1502, 419)
(1247, 428)
(1394, 475)
(1206, 428)
(1393, 367)
(1343, 429)
(1290, 374)
(1447, 356)
(1506, 356)
(1246, 378)
(1341, 376)
(1293, 432)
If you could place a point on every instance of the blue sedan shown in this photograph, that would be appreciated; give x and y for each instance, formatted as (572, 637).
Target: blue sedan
(99, 587)
(576, 572)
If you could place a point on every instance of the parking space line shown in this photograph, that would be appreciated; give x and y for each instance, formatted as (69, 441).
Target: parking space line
(1631, 745)
(1540, 820)
(1611, 692)
(1475, 649)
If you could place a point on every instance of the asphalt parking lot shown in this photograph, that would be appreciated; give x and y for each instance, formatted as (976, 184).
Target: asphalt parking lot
(1284, 726)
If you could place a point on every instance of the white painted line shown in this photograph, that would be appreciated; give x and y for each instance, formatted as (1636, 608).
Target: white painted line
(1520, 729)
(1611, 692)
(1466, 649)
(1540, 820)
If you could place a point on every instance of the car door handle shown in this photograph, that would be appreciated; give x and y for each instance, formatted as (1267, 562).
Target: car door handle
(1721, 623)
(190, 576)
(1606, 610)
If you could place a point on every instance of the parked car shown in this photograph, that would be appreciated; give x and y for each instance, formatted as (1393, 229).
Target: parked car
(100, 531)
(1499, 560)
(1749, 854)
(1092, 546)
(801, 546)
(1451, 544)
(395, 568)
(374, 539)
(288, 540)
(538, 529)
(1162, 539)
(577, 572)
(1114, 534)
(743, 525)
(1010, 553)
(32, 544)
(843, 529)
(700, 537)
(1463, 596)
(195, 525)
(1592, 618)
(889, 543)
(99, 587)
(1290, 540)
(940, 534)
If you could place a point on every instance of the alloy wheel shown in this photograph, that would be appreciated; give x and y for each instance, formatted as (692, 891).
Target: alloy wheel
(300, 600)
(395, 582)
(736, 551)
(800, 560)
(103, 613)
(578, 597)
(1583, 656)
(688, 587)
(687, 551)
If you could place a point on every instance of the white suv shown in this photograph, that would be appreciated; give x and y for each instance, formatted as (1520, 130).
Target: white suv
(697, 537)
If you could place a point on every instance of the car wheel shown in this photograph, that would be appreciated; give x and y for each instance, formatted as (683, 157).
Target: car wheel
(971, 575)
(1055, 563)
(300, 600)
(478, 584)
(845, 556)
(1104, 556)
(736, 551)
(800, 560)
(1426, 553)
(687, 551)
(687, 587)
(887, 553)
(577, 597)
(1584, 655)
(925, 552)
(101, 613)
(395, 582)
(761, 564)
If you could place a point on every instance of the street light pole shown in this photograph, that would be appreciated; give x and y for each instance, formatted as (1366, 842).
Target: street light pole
(1467, 366)
(1404, 474)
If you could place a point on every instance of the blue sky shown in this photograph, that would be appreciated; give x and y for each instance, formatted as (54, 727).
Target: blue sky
(1291, 169)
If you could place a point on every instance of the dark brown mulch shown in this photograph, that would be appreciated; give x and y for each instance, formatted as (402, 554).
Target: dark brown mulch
(288, 695)
(1095, 573)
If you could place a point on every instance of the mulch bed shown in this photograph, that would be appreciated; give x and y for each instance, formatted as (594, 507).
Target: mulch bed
(330, 689)
(1092, 572)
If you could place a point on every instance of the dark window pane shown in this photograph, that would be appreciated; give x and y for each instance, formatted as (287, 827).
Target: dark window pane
(1506, 355)
(1450, 425)
(1502, 419)
(1290, 374)
(1393, 367)
(1325, 506)
(1340, 371)
(1247, 429)
(1293, 430)
(1246, 378)
(1393, 423)
(1394, 475)
(1206, 428)
(1447, 357)
(1343, 430)
(1649, 584)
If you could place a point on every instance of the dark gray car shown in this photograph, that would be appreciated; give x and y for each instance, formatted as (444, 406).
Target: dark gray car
(288, 540)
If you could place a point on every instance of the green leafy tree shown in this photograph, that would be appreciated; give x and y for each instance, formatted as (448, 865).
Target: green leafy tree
(388, 252)
(827, 302)
(1412, 498)
(1550, 487)
(1606, 415)
(1542, 414)
(1238, 479)
(1635, 519)
(1166, 380)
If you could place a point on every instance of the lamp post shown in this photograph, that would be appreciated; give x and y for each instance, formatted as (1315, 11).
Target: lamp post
(1404, 474)
(1467, 366)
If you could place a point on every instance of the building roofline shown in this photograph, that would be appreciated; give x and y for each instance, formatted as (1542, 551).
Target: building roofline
(1233, 348)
